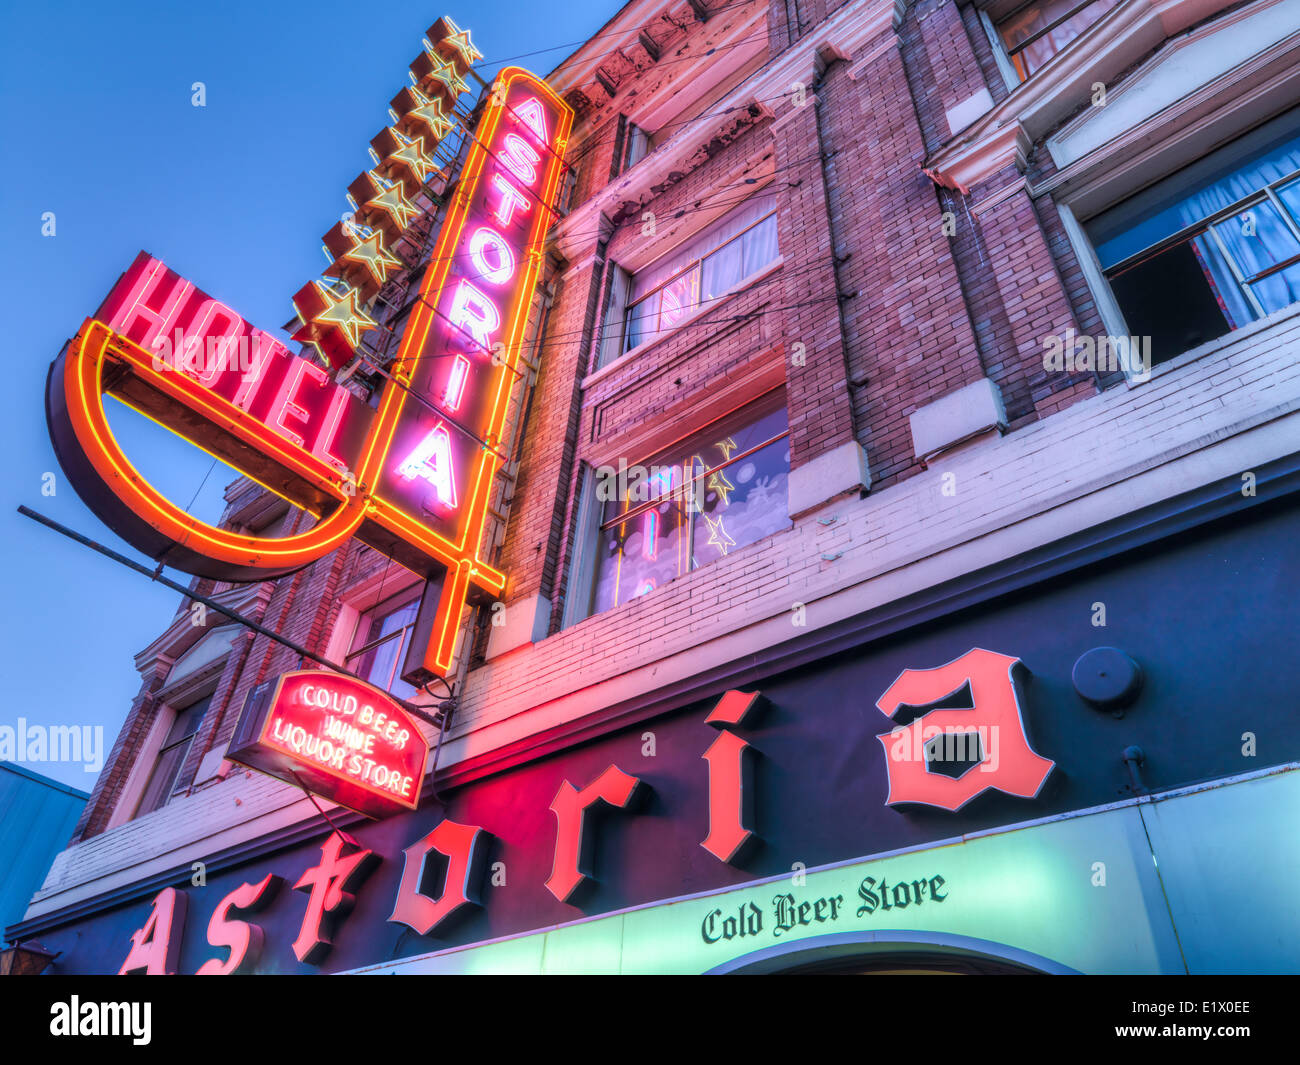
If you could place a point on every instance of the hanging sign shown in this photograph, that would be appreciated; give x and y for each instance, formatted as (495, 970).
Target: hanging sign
(336, 736)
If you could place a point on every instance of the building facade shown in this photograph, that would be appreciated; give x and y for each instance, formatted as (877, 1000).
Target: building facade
(899, 538)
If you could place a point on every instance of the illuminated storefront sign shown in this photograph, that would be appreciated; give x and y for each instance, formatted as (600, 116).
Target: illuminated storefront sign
(312, 706)
(411, 479)
(340, 738)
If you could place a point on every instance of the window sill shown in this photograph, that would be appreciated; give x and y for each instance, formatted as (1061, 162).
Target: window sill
(1211, 347)
(640, 350)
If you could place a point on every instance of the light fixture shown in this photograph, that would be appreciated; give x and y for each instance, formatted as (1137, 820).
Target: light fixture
(26, 959)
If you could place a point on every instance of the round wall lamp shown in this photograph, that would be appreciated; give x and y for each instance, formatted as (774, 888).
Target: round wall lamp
(1108, 679)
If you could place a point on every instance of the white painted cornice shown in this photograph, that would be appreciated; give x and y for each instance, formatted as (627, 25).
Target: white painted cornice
(1103, 52)
(182, 634)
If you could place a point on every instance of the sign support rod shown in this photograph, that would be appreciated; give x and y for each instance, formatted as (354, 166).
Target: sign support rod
(234, 615)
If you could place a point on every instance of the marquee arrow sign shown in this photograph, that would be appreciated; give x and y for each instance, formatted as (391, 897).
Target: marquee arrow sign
(412, 479)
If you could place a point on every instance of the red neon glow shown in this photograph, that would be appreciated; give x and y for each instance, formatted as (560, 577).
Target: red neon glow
(339, 736)
(130, 312)
(520, 158)
(476, 314)
(432, 461)
(287, 404)
(533, 115)
(487, 239)
(455, 390)
(511, 199)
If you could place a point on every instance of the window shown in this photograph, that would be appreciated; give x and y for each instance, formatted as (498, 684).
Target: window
(1034, 32)
(381, 640)
(176, 745)
(712, 494)
(656, 300)
(636, 143)
(1212, 248)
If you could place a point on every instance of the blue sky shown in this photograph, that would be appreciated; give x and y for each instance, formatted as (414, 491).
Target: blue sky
(98, 127)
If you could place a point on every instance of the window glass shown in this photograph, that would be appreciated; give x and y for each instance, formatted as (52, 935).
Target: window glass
(1035, 32)
(381, 641)
(706, 267)
(718, 491)
(1212, 248)
(175, 748)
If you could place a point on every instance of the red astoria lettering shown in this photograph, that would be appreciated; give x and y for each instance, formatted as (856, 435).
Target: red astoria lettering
(574, 835)
(332, 885)
(464, 847)
(244, 939)
(156, 948)
(1006, 761)
(731, 793)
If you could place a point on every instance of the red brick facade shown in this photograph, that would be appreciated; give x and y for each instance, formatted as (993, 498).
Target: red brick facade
(897, 290)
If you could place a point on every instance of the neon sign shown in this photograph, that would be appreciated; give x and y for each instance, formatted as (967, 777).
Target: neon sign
(411, 479)
(338, 737)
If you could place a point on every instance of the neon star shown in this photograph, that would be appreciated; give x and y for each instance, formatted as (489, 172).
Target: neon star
(718, 535)
(395, 205)
(412, 154)
(446, 73)
(369, 253)
(342, 313)
(434, 117)
(719, 483)
(726, 446)
(459, 39)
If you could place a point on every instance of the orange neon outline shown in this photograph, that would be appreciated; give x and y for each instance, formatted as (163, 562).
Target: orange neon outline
(83, 392)
(97, 344)
(468, 567)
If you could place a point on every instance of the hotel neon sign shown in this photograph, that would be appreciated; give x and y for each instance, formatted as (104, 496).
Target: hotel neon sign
(411, 479)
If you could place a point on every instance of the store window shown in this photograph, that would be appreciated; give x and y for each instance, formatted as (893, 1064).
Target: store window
(1034, 32)
(176, 746)
(654, 301)
(692, 504)
(1210, 249)
(381, 640)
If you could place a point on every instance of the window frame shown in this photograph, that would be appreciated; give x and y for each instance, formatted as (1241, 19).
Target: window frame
(1266, 194)
(399, 600)
(693, 264)
(1005, 55)
(585, 569)
(160, 747)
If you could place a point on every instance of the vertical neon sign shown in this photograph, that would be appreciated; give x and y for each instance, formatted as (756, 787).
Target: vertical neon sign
(459, 356)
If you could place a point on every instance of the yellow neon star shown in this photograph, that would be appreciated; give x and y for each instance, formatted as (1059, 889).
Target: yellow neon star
(718, 536)
(343, 313)
(432, 115)
(726, 446)
(369, 252)
(446, 73)
(395, 205)
(719, 483)
(412, 154)
(459, 40)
